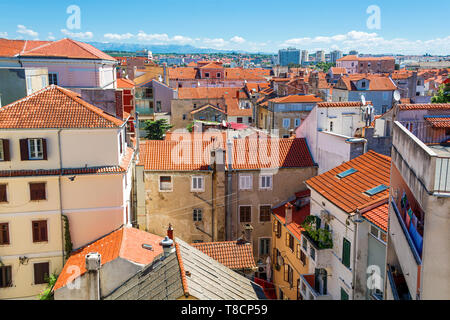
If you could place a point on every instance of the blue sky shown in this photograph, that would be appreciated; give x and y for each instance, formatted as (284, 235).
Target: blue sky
(406, 26)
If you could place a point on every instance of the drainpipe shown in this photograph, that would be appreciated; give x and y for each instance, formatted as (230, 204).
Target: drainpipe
(229, 192)
(60, 195)
(213, 202)
(356, 219)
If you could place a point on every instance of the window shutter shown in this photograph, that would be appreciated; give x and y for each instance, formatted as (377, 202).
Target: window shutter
(44, 149)
(346, 253)
(6, 154)
(24, 149)
(35, 232)
(43, 231)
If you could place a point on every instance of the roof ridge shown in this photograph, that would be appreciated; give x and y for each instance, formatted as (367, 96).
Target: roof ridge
(38, 47)
(182, 271)
(27, 97)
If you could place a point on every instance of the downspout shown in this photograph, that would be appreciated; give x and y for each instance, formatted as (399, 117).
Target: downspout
(60, 195)
(354, 261)
(229, 191)
(213, 202)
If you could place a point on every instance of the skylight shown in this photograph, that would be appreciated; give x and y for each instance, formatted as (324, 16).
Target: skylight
(346, 173)
(376, 190)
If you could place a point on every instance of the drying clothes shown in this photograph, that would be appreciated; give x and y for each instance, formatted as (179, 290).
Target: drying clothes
(417, 238)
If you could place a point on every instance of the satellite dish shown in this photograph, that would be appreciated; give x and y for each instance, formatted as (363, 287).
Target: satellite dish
(363, 100)
(397, 95)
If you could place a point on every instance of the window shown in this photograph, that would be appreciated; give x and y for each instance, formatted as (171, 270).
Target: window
(44, 81)
(198, 184)
(35, 149)
(376, 190)
(41, 272)
(250, 120)
(297, 122)
(3, 194)
(277, 228)
(206, 74)
(344, 294)
(363, 84)
(165, 183)
(289, 275)
(245, 214)
(304, 244)
(37, 191)
(53, 78)
(2, 152)
(197, 215)
(5, 277)
(184, 117)
(218, 74)
(158, 106)
(264, 213)
(346, 253)
(303, 257)
(290, 241)
(286, 123)
(377, 233)
(312, 253)
(239, 120)
(331, 126)
(265, 182)
(264, 246)
(29, 85)
(4, 233)
(346, 173)
(40, 231)
(245, 182)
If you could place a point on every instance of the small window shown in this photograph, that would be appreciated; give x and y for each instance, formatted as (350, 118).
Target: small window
(363, 84)
(264, 246)
(165, 183)
(331, 126)
(37, 191)
(303, 257)
(286, 123)
(376, 190)
(53, 78)
(265, 182)
(41, 272)
(2, 152)
(245, 214)
(312, 253)
(297, 122)
(218, 74)
(40, 233)
(264, 213)
(245, 182)
(44, 81)
(239, 120)
(197, 215)
(3, 193)
(304, 244)
(346, 245)
(29, 85)
(5, 277)
(184, 117)
(35, 149)
(4, 233)
(198, 184)
(206, 74)
(346, 173)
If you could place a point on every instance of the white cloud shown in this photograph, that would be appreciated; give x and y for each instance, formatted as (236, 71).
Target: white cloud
(25, 31)
(237, 39)
(115, 36)
(3, 34)
(78, 35)
(216, 43)
(51, 36)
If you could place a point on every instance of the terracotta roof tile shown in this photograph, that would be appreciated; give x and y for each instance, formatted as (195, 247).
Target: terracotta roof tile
(297, 99)
(348, 193)
(123, 83)
(426, 106)
(379, 215)
(55, 107)
(341, 104)
(232, 254)
(438, 121)
(125, 243)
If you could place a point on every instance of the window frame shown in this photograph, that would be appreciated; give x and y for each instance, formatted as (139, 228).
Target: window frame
(261, 177)
(199, 210)
(45, 190)
(4, 242)
(288, 121)
(3, 271)
(39, 238)
(269, 212)
(6, 192)
(202, 179)
(260, 246)
(249, 180)
(32, 156)
(34, 272)
(240, 213)
(53, 78)
(2, 151)
(159, 183)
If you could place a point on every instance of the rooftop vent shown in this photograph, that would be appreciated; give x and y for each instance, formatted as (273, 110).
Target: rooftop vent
(147, 246)
(376, 190)
(346, 173)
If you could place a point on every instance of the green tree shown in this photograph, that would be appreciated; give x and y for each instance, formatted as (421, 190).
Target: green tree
(324, 66)
(156, 129)
(47, 294)
(443, 94)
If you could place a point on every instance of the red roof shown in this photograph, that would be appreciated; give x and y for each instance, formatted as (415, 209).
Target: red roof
(64, 48)
(55, 107)
(125, 243)
(378, 215)
(186, 155)
(438, 121)
(208, 93)
(348, 193)
(376, 82)
(297, 99)
(123, 83)
(232, 254)
(425, 106)
(341, 104)
(298, 214)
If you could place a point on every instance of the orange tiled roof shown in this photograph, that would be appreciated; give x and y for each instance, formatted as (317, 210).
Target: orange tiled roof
(191, 155)
(373, 169)
(298, 215)
(246, 74)
(64, 48)
(378, 215)
(206, 107)
(207, 93)
(125, 243)
(123, 83)
(376, 82)
(297, 99)
(234, 110)
(232, 254)
(356, 58)
(182, 73)
(54, 107)
(341, 104)
(212, 65)
(426, 106)
(438, 121)
(338, 70)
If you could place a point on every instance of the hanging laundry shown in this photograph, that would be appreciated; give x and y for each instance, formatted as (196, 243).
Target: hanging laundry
(417, 238)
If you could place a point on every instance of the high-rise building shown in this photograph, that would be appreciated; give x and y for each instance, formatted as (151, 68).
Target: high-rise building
(289, 55)
(305, 56)
(320, 56)
(334, 55)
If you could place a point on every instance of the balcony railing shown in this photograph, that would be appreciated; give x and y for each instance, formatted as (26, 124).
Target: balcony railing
(398, 286)
(308, 291)
(145, 111)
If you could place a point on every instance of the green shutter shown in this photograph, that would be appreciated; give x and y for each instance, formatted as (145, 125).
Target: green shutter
(346, 253)
(344, 295)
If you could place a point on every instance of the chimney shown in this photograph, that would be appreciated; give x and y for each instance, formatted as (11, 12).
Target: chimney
(168, 246)
(170, 232)
(119, 104)
(288, 211)
(93, 263)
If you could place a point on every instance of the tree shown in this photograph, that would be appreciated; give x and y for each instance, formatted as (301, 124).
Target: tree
(156, 129)
(325, 66)
(47, 294)
(443, 94)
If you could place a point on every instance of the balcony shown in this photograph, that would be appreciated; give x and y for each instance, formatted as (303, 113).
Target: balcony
(405, 250)
(319, 255)
(145, 111)
(308, 290)
(397, 289)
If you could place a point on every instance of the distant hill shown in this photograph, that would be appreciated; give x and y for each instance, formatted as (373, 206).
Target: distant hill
(132, 47)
